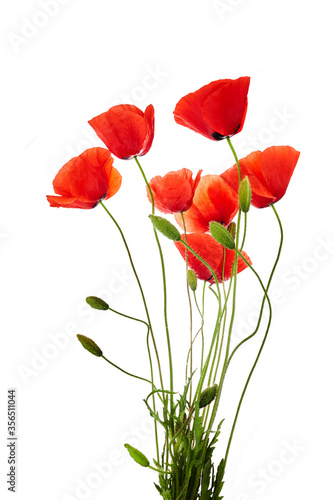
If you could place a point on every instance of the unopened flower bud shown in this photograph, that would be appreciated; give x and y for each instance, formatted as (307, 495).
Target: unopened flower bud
(139, 457)
(90, 345)
(208, 395)
(165, 227)
(232, 229)
(192, 280)
(221, 235)
(244, 193)
(97, 303)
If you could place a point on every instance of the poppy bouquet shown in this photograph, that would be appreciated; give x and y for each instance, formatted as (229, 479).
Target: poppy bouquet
(211, 212)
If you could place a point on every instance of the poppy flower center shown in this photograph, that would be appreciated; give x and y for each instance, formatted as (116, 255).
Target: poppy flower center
(217, 136)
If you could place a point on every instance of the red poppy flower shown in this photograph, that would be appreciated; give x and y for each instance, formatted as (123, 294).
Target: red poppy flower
(174, 192)
(85, 180)
(126, 130)
(216, 110)
(213, 253)
(213, 200)
(269, 173)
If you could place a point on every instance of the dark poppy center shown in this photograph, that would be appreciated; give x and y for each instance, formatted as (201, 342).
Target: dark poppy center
(217, 136)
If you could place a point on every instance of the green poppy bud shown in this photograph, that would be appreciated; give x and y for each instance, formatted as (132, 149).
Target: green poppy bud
(232, 229)
(208, 395)
(244, 194)
(97, 303)
(192, 280)
(139, 457)
(90, 345)
(221, 235)
(165, 227)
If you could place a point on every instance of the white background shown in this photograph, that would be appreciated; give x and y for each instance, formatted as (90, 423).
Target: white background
(65, 62)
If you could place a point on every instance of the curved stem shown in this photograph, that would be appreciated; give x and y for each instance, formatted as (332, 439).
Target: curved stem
(140, 288)
(164, 282)
(255, 362)
(127, 373)
(147, 314)
(267, 288)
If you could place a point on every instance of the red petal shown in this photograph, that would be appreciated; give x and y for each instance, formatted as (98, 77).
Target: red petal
(214, 200)
(277, 165)
(229, 261)
(251, 166)
(188, 110)
(69, 202)
(225, 109)
(174, 192)
(125, 130)
(150, 121)
(207, 248)
(114, 180)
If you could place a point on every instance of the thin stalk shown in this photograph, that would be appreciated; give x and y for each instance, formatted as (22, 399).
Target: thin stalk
(233, 310)
(148, 320)
(267, 287)
(128, 373)
(190, 310)
(165, 315)
(255, 362)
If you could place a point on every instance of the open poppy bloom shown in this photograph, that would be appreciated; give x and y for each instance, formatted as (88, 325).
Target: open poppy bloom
(174, 192)
(216, 110)
(126, 130)
(269, 173)
(214, 254)
(86, 180)
(214, 200)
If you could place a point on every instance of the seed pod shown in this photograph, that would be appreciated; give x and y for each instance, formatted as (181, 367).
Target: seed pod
(97, 303)
(165, 227)
(208, 395)
(192, 280)
(221, 235)
(90, 345)
(137, 456)
(244, 193)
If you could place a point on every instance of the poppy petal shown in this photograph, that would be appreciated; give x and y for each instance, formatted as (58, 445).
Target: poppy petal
(214, 200)
(69, 202)
(188, 109)
(125, 130)
(207, 248)
(277, 166)
(225, 109)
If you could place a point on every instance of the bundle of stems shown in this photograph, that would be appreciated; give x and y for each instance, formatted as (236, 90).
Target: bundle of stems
(185, 421)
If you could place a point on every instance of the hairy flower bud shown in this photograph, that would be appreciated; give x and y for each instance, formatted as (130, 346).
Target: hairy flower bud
(97, 303)
(165, 227)
(244, 193)
(90, 345)
(139, 457)
(192, 280)
(208, 395)
(221, 235)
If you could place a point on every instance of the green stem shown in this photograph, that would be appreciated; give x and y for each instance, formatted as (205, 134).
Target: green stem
(164, 284)
(147, 314)
(267, 287)
(127, 373)
(236, 158)
(256, 360)
(217, 324)
(190, 310)
(233, 309)
(165, 313)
